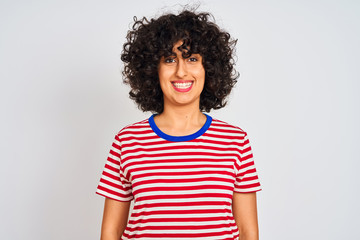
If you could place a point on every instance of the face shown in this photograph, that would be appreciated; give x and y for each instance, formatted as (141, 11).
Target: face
(181, 80)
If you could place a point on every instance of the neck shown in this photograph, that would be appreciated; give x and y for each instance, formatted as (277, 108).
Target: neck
(178, 115)
(180, 120)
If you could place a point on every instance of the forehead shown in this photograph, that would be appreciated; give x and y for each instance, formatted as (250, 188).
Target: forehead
(182, 48)
(178, 49)
(177, 44)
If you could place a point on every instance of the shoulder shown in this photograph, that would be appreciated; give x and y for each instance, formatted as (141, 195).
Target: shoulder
(227, 127)
(139, 126)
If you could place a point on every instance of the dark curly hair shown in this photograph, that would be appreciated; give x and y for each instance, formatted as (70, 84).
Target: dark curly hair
(148, 41)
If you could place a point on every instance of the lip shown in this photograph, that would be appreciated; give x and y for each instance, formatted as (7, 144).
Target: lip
(182, 89)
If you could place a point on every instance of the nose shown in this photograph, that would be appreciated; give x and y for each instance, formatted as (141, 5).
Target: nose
(181, 70)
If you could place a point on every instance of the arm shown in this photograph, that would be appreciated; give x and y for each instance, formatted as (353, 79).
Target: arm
(245, 214)
(115, 218)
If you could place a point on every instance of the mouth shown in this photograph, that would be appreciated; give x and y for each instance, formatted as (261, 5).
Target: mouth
(182, 86)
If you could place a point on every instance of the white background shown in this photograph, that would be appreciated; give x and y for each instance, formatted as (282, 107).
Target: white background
(62, 100)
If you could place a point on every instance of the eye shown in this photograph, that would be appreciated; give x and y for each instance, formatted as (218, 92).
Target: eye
(169, 60)
(193, 59)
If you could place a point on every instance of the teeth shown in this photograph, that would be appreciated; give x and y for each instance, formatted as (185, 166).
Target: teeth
(182, 85)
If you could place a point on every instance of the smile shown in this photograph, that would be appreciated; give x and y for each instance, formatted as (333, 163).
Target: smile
(182, 86)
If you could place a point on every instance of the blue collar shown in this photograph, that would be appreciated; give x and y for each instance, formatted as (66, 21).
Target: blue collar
(165, 136)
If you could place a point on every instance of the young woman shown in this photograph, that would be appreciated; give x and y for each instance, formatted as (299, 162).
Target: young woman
(191, 176)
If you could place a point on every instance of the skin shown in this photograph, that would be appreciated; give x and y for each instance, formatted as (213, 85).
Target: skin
(115, 218)
(244, 209)
(182, 116)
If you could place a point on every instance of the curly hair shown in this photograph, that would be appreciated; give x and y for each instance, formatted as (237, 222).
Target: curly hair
(148, 41)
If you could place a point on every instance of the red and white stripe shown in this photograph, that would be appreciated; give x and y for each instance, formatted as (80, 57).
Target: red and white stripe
(181, 190)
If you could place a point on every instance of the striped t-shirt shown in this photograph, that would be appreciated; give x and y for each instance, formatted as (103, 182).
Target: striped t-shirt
(182, 186)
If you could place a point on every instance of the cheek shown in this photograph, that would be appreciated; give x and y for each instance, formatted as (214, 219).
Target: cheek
(164, 80)
(162, 76)
(164, 73)
(201, 74)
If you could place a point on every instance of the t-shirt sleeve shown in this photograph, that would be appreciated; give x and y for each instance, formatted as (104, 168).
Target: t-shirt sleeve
(113, 183)
(246, 175)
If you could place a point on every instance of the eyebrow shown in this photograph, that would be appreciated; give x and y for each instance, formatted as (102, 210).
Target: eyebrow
(175, 55)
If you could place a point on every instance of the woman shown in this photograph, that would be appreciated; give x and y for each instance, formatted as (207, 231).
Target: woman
(191, 176)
